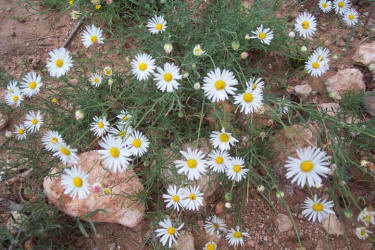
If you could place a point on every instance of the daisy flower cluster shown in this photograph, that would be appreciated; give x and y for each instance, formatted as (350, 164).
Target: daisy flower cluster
(367, 217)
(342, 8)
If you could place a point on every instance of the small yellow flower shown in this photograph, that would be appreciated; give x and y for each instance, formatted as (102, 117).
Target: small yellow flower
(54, 100)
(98, 6)
(107, 191)
(71, 2)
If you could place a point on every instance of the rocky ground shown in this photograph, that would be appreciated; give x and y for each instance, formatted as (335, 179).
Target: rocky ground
(27, 38)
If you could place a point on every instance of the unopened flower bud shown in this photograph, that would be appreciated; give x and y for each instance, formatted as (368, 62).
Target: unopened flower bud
(197, 85)
(79, 115)
(73, 82)
(247, 37)
(244, 55)
(235, 45)
(185, 75)
(280, 194)
(96, 187)
(303, 48)
(260, 188)
(8, 134)
(110, 82)
(168, 48)
(228, 204)
(292, 34)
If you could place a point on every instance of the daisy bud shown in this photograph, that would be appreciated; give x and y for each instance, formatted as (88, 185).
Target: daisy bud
(244, 55)
(107, 71)
(280, 194)
(228, 204)
(79, 115)
(197, 86)
(73, 82)
(303, 48)
(292, 34)
(247, 37)
(168, 48)
(95, 2)
(235, 45)
(75, 14)
(97, 187)
(54, 100)
(127, 59)
(364, 163)
(371, 67)
(228, 196)
(8, 134)
(260, 188)
(335, 57)
(107, 191)
(180, 114)
(185, 75)
(193, 66)
(331, 94)
(108, 1)
(110, 82)
(262, 135)
(348, 213)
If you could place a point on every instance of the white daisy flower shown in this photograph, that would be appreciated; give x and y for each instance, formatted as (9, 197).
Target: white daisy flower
(255, 83)
(66, 154)
(235, 237)
(322, 55)
(59, 62)
(156, 24)
(166, 77)
(75, 183)
(264, 35)
(250, 100)
(350, 17)
(173, 197)
(325, 6)
(218, 160)
(137, 143)
(215, 225)
(20, 132)
(12, 87)
(51, 139)
(124, 117)
(31, 84)
(305, 25)
(367, 217)
(197, 51)
(99, 126)
(33, 121)
(107, 71)
(14, 99)
(143, 65)
(210, 246)
(96, 80)
(362, 233)
(92, 35)
(310, 166)
(192, 198)
(115, 154)
(168, 233)
(222, 140)
(315, 67)
(317, 209)
(218, 84)
(194, 164)
(121, 131)
(341, 6)
(236, 170)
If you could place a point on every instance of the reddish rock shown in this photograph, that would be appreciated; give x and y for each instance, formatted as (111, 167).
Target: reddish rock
(119, 208)
(365, 54)
(343, 81)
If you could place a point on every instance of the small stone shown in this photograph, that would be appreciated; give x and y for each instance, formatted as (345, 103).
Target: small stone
(283, 223)
(365, 54)
(251, 243)
(185, 241)
(3, 120)
(370, 103)
(303, 89)
(332, 225)
(350, 79)
(219, 208)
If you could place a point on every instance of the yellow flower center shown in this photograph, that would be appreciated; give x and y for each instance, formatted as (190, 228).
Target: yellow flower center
(305, 25)
(167, 77)
(65, 151)
(125, 118)
(114, 152)
(98, 6)
(219, 160)
(315, 65)
(307, 166)
(219, 85)
(21, 131)
(137, 143)
(351, 16)
(248, 97)
(324, 5)
(367, 217)
(59, 63)
(262, 35)
(171, 230)
(32, 85)
(197, 50)
(237, 235)
(107, 191)
(54, 140)
(100, 124)
(224, 137)
(142, 66)
(192, 196)
(363, 232)
(15, 98)
(54, 100)
(159, 26)
(34, 121)
(317, 207)
(341, 4)
(122, 133)
(77, 182)
(192, 163)
(175, 198)
(94, 39)
(210, 246)
(96, 79)
(237, 168)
